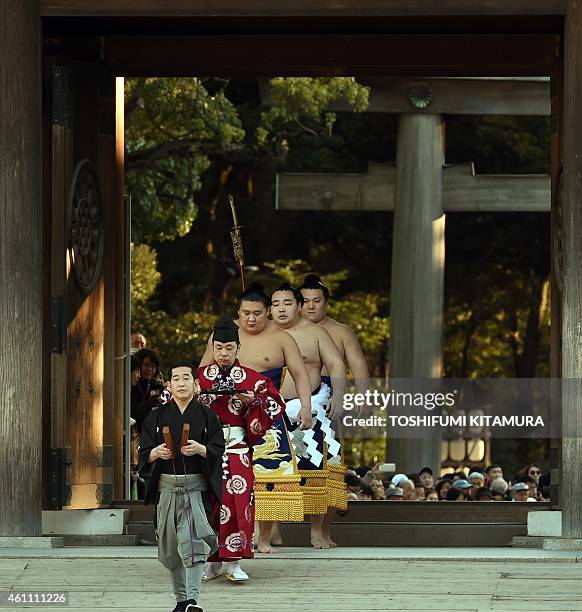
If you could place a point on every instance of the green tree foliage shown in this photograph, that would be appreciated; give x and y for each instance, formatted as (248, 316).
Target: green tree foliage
(173, 128)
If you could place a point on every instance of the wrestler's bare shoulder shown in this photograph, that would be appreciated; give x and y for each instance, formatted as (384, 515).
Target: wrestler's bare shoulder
(335, 327)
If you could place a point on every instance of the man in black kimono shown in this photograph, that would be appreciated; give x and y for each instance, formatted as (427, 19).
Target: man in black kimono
(185, 481)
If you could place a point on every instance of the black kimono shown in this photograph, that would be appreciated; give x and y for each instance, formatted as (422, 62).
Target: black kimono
(205, 428)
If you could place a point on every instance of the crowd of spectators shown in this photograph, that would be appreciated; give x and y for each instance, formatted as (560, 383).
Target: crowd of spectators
(367, 483)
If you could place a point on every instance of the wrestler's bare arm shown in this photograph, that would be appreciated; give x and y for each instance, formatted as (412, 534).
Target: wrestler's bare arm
(298, 371)
(355, 358)
(208, 356)
(333, 362)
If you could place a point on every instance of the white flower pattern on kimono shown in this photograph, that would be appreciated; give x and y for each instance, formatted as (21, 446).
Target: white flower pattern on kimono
(206, 399)
(260, 387)
(211, 371)
(224, 514)
(236, 485)
(236, 541)
(238, 374)
(244, 459)
(248, 511)
(235, 405)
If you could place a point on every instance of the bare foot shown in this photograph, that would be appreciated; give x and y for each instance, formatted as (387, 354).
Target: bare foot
(265, 547)
(328, 539)
(276, 538)
(318, 540)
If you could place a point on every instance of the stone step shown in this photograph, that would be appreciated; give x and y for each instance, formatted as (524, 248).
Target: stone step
(101, 540)
(409, 512)
(528, 541)
(387, 534)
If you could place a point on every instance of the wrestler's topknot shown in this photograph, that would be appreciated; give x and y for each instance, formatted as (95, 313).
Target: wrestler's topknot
(255, 293)
(313, 281)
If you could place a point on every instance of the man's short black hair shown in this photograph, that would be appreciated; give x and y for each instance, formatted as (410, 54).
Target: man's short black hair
(255, 293)
(183, 364)
(313, 281)
(483, 492)
(366, 490)
(352, 480)
(287, 287)
(491, 467)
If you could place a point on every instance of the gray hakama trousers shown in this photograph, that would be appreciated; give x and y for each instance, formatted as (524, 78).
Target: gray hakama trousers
(185, 538)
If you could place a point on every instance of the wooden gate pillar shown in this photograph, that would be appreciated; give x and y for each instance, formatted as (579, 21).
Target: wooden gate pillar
(418, 260)
(20, 270)
(571, 483)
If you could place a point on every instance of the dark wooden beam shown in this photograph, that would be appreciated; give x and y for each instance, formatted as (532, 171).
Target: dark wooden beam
(289, 8)
(406, 55)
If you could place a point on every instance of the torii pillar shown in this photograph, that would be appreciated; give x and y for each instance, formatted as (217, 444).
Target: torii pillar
(20, 271)
(418, 264)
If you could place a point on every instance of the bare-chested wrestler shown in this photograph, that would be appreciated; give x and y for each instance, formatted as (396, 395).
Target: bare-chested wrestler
(264, 347)
(318, 351)
(316, 298)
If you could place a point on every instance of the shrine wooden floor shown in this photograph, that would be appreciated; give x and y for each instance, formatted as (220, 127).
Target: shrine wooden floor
(352, 579)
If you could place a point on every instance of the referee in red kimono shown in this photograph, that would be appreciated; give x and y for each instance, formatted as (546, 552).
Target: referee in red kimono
(246, 404)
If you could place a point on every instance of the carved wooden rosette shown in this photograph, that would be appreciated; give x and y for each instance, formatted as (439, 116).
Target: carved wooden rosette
(86, 226)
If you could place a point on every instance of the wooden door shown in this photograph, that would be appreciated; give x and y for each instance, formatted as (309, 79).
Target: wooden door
(86, 414)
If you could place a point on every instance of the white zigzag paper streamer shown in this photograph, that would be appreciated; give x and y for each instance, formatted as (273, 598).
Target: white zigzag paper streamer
(333, 446)
(315, 456)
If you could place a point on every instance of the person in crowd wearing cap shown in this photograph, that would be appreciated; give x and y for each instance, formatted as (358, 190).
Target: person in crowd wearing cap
(499, 489)
(314, 445)
(394, 494)
(465, 486)
(426, 478)
(457, 495)
(402, 482)
(520, 492)
(180, 453)
(267, 349)
(476, 479)
(246, 404)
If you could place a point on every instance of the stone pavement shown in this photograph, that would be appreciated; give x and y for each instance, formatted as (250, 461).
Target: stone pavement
(351, 579)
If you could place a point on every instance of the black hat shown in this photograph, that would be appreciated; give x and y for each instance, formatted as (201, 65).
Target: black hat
(226, 330)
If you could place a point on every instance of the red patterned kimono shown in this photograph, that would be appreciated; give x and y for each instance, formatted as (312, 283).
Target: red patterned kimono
(243, 425)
